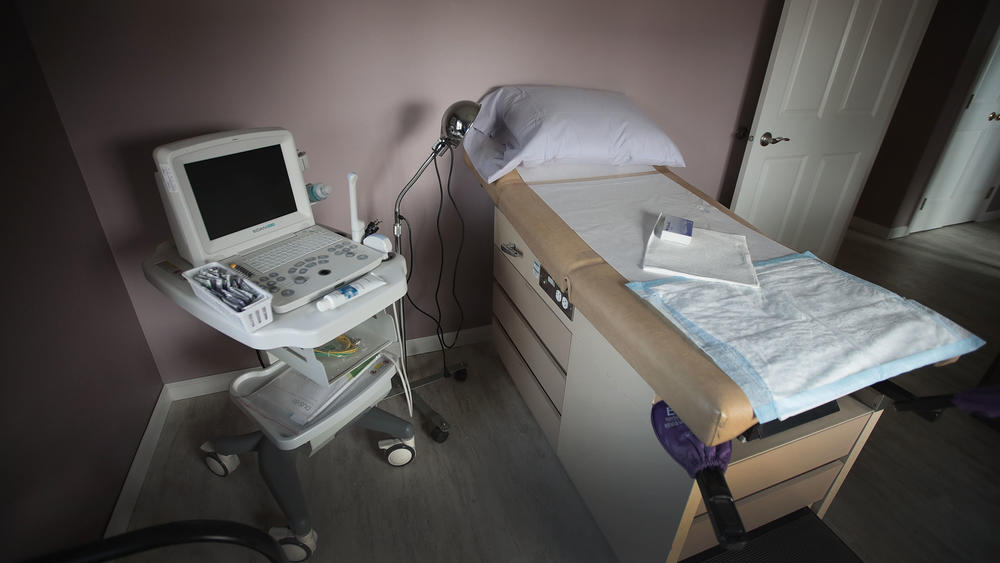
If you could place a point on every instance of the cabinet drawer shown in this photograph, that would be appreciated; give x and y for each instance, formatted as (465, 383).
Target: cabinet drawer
(749, 475)
(534, 396)
(540, 362)
(546, 324)
(527, 264)
(767, 505)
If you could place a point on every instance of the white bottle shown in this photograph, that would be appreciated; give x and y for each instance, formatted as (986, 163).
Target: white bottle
(356, 288)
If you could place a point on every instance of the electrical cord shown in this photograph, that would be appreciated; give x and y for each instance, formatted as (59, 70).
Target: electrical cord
(437, 320)
(458, 254)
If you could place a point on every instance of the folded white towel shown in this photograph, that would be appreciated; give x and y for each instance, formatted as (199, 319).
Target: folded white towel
(710, 256)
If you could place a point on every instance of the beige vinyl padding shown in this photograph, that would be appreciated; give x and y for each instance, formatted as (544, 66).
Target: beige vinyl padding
(555, 244)
(708, 401)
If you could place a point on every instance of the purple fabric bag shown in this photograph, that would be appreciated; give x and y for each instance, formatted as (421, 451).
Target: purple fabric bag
(684, 446)
(979, 400)
(706, 465)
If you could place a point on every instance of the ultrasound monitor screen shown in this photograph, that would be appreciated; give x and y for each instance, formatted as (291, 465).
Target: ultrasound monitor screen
(241, 190)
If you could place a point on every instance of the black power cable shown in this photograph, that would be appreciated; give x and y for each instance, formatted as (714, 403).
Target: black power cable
(458, 254)
(437, 320)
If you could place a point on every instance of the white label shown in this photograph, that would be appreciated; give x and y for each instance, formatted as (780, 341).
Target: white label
(168, 178)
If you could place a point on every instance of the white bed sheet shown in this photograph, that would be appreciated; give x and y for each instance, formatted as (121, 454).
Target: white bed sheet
(615, 215)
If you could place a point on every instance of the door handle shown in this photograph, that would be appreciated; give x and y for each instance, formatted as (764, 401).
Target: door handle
(511, 249)
(768, 139)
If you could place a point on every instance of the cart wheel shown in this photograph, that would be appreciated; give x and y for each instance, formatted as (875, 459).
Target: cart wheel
(461, 375)
(219, 464)
(439, 435)
(399, 455)
(296, 548)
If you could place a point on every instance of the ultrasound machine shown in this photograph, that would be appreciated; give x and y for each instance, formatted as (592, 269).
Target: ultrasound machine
(238, 199)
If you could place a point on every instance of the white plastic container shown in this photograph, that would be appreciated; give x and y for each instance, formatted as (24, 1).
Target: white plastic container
(251, 318)
(356, 288)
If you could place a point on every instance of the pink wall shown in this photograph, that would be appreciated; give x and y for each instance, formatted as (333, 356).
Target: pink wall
(362, 86)
(79, 382)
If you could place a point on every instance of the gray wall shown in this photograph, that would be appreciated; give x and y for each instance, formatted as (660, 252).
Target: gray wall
(362, 86)
(80, 382)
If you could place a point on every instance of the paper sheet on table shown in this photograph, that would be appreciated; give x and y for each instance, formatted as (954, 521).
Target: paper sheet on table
(614, 216)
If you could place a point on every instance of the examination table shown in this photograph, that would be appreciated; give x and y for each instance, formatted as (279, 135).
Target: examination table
(589, 358)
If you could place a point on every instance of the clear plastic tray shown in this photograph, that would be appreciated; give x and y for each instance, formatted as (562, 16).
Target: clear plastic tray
(369, 341)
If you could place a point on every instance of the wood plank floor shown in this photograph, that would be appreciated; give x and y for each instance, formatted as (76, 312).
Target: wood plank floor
(923, 491)
(495, 492)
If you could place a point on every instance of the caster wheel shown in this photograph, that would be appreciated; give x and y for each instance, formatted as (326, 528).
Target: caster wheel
(439, 435)
(295, 548)
(219, 464)
(399, 455)
(461, 375)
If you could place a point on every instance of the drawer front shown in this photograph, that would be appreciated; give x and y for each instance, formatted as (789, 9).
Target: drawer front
(546, 324)
(534, 396)
(526, 264)
(548, 373)
(759, 472)
(767, 505)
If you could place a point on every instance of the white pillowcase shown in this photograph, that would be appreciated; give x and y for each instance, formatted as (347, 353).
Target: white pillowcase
(534, 125)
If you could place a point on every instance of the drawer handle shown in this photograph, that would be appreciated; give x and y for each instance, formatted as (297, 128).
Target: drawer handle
(511, 249)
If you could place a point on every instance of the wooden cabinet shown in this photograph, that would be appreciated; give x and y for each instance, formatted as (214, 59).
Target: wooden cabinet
(594, 409)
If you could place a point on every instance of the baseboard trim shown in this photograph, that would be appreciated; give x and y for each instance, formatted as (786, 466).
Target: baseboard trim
(880, 231)
(129, 495)
(423, 345)
(207, 385)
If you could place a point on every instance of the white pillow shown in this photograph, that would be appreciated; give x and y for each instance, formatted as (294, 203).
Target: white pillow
(534, 125)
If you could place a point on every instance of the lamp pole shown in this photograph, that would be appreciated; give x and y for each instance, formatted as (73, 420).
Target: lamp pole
(454, 123)
(397, 227)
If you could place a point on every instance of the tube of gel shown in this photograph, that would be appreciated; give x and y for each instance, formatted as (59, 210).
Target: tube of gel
(356, 288)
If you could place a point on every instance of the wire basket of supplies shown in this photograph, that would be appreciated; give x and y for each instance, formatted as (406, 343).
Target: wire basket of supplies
(231, 295)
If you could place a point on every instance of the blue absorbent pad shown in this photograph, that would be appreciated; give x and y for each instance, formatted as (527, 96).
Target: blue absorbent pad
(808, 335)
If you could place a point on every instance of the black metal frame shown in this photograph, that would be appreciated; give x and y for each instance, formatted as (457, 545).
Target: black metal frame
(174, 533)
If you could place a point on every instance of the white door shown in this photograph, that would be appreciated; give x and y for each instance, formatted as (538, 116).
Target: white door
(835, 74)
(991, 205)
(968, 171)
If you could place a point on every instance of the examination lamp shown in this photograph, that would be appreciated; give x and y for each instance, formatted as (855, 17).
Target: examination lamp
(454, 124)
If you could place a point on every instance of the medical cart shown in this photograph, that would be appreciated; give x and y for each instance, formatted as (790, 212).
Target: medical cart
(292, 338)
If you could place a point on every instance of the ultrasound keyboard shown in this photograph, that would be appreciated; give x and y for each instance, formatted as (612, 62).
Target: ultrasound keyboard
(306, 266)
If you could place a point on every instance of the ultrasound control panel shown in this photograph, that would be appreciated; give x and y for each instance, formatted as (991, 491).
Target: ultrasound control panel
(315, 275)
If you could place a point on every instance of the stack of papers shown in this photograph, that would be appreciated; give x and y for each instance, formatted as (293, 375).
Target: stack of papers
(710, 256)
(293, 396)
